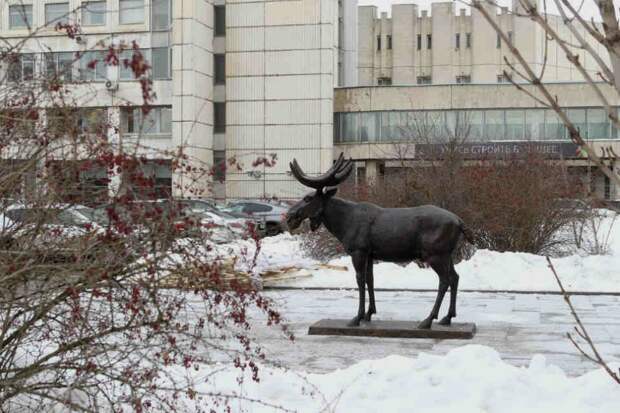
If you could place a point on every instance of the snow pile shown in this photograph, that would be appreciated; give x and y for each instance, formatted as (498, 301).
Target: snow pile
(471, 378)
(280, 251)
(486, 270)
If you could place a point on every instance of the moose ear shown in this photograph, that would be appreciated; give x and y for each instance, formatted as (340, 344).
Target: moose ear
(330, 191)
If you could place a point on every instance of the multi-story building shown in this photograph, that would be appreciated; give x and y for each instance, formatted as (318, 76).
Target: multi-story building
(233, 78)
(449, 46)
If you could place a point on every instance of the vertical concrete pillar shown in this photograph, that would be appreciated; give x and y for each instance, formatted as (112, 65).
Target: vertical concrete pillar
(372, 171)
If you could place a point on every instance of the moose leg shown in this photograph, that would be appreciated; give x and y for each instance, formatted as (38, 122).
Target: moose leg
(359, 263)
(454, 285)
(371, 290)
(439, 266)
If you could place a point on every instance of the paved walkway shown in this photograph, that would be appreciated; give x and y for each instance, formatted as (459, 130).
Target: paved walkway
(517, 325)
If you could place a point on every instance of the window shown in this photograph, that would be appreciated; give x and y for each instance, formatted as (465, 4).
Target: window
(554, 127)
(131, 11)
(159, 58)
(56, 13)
(457, 40)
(157, 122)
(350, 127)
(607, 188)
(429, 41)
(21, 68)
(494, 125)
(534, 124)
(160, 14)
(468, 40)
(498, 41)
(598, 124)
(219, 69)
(384, 81)
(75, 122)
(578, 119)
(515, 120)
(59, 66)
(93, 121)
(93, 13)
(503, 78)
(255, 208)
(20, 16)
(160, 63)
(18, 123)
(219, 166)
(463, 79)
(219, 117)
(220, 20)
(389, 42)
(424, 80)
(92, 66)
(125, 63)
(419, 42)
(378, 42)
(369, 126)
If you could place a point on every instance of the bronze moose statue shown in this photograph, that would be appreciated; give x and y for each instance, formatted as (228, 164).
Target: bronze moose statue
(369, 232)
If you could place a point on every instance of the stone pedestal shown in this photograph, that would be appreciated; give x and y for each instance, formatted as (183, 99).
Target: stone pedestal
(393, 328)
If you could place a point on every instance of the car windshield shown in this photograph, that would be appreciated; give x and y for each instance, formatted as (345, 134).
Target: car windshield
(94, 215)
(205, 208)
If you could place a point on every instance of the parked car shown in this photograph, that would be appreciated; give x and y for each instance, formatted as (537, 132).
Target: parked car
(50, 233)
(271, 213)
(238, 223)
(190, 223)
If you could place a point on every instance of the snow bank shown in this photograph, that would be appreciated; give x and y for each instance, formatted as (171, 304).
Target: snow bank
(486, 270)
(471, 378)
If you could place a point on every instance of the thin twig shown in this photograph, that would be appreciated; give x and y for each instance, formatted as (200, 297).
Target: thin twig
(595, 356)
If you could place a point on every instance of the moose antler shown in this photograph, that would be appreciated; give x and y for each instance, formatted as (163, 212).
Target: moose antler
(339, 171)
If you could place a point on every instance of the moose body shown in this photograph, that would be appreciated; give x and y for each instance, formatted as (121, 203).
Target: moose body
(392, 234)
(369, 232)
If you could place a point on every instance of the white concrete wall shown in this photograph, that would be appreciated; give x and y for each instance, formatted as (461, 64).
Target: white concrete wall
(348, 43)
(483, 61)
(280, 73)
(192, 100)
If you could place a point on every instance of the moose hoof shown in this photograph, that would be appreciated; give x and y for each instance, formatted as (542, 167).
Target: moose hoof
(446, 321)
(368, 316)
(355, 322)
(426, 324)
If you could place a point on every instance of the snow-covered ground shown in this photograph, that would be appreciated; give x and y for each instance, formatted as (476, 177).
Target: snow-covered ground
(486, 270)
(471, 378)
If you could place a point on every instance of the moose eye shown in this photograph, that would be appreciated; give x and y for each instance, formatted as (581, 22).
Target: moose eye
(307, 198)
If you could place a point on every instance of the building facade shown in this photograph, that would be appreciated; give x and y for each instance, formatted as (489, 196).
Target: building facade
(390, 127)
(457, 46)
(232, 79)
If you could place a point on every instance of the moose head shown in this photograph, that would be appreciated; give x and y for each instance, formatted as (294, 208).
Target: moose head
(312, 204)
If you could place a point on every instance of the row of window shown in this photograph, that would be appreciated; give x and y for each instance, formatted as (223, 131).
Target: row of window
(428, 80)
(473, 125)
(429, 41)
(158, 121)
(92, 13)
(89, 66)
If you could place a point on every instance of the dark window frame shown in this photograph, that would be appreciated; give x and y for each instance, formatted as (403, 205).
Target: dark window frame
(219, 69)
(219, 20)
(219, 117)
